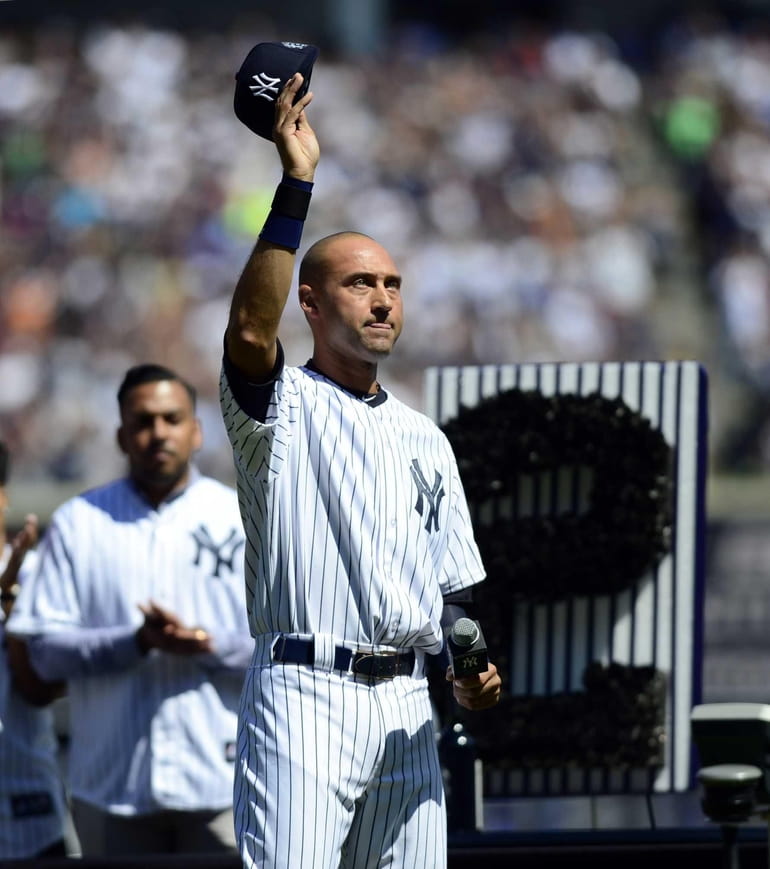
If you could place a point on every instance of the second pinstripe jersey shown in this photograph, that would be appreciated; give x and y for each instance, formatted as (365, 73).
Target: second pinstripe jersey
(154, 731)
(355, 518)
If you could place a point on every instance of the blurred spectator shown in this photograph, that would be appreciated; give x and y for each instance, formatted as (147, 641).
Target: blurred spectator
(505, 174)
(712, 101)
(33, 807)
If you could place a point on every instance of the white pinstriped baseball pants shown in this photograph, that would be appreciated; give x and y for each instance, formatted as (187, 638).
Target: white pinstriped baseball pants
(334, 771)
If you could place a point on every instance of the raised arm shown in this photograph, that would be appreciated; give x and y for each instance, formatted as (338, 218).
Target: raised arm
(263, 288)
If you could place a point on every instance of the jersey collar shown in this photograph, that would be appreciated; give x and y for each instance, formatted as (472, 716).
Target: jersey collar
(370, 399)
(193, 477)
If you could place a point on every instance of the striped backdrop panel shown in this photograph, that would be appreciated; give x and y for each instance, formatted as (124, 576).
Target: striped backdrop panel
(658, 621)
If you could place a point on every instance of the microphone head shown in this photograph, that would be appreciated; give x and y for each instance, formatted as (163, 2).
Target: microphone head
(465, 632)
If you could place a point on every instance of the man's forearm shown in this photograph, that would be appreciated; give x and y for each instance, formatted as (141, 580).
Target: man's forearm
(73, 654)
(256, 309)
(263, 288)
(456, 606)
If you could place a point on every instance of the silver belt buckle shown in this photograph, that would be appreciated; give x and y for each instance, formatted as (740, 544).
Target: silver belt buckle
(278, 648)
(359, 657)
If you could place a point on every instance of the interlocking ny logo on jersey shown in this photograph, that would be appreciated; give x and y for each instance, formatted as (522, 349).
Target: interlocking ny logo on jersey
(223, 553)
(266, 86)
(425, 493)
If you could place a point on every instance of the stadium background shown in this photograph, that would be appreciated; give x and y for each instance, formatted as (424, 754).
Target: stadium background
(566, 181)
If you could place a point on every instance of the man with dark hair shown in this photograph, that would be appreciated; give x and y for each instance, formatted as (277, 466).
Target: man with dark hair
(138, 604)
(33, 806)
(151, 373)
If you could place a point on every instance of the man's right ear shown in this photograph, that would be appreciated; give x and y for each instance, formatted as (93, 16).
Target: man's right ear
(307, 300)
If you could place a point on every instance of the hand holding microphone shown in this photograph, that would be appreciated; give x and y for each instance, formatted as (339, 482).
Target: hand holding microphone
(477, 683)
(467, 649)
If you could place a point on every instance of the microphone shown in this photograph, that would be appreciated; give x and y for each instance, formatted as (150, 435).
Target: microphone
(467, 648)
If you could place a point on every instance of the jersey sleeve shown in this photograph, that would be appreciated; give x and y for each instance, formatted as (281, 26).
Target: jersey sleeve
(252, 398)
(260, 445)
(462, 566)
(49, 616)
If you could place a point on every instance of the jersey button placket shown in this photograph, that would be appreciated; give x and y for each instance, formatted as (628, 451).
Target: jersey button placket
(166, 537)
(162, 771)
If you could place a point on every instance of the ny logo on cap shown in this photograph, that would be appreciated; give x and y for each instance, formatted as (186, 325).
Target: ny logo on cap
(266, 86)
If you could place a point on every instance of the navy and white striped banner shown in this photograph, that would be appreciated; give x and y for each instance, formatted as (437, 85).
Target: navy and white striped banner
(658, 621)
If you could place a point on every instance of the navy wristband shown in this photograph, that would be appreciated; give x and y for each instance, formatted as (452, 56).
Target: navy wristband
(290, 201)
(286, 219)
(297, 182)
(282, 230)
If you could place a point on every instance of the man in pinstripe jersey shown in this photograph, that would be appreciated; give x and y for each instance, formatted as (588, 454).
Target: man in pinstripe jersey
(357, 536)
(33, 808)
(138, 603)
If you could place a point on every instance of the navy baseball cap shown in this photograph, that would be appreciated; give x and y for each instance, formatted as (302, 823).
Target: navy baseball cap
(264, 72)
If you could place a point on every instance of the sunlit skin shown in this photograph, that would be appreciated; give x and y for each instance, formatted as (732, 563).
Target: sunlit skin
(354, 309)
(159, 433)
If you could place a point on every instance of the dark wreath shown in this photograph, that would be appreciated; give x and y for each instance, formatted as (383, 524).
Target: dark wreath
(622, 531)
(617, 531)
(616, 722)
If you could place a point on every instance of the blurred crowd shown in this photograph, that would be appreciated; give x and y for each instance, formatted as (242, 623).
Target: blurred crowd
(510, 176)
(711, 98)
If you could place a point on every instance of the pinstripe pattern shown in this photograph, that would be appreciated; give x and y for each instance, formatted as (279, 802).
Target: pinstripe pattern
(154, 735)
(306, 807)
(658, 620)
(334, 542)
(342, 542)
(28, 763)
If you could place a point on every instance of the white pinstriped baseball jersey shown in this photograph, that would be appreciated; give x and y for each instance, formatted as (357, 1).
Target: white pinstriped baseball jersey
(32, 800)
(356, 525)
(151, 732)
(355, 518)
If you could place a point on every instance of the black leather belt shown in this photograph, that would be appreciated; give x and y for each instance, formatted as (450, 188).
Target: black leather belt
(374, 665)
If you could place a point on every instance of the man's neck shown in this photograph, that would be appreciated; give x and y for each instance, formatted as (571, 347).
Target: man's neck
(155, 496)
(359, 378)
